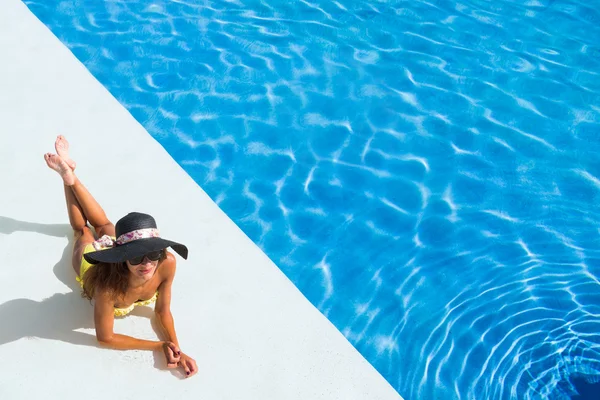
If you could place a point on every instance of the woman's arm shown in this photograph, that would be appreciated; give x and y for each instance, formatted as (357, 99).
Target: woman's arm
(163, 304)
(165, 318)
(104, 318)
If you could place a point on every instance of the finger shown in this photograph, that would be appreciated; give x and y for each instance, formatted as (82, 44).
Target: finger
(186, 368)
(172, 358)
(193, 367)
(175, 353)
(174, 347)
(172, 365)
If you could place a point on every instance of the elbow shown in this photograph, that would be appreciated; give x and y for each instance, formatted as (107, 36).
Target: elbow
(163, 313)
(104, 340)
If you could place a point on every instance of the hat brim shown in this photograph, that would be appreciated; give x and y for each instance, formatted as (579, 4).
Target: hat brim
(134, 249)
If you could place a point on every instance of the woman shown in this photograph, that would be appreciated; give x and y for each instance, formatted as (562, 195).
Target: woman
(128, 265)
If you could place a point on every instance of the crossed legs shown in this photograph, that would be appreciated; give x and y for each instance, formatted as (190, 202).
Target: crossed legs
(81, 205)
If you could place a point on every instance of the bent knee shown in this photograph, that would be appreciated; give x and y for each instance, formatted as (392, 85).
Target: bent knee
(106, 229)
(83, 235)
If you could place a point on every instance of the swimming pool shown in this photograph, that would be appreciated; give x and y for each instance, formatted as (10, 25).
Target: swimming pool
(424, 173)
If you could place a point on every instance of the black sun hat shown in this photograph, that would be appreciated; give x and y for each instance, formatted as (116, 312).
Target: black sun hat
(137, 235)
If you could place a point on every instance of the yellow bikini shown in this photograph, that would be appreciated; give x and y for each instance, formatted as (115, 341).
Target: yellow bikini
(119, 312)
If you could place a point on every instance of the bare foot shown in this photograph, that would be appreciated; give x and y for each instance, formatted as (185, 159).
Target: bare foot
(62, 149)
(59, 165)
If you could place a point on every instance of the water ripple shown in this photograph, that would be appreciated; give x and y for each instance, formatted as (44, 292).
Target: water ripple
(426, 173)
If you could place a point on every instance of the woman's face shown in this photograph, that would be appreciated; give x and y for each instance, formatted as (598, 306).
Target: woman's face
(145, 269)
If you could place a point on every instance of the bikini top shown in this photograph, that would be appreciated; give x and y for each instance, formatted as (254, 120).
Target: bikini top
(121, 312)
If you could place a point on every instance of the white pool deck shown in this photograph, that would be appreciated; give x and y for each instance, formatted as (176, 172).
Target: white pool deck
(253, 334)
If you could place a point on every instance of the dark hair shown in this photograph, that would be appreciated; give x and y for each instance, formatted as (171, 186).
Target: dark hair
(113, 277)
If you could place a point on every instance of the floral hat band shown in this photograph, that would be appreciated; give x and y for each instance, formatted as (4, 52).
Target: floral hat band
(138, 234)
(106, 241)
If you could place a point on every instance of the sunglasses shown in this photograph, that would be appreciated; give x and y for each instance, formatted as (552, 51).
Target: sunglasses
(153, 256)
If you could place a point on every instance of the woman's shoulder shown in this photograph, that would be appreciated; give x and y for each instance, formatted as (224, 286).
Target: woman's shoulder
(104, 296)
(168, 267)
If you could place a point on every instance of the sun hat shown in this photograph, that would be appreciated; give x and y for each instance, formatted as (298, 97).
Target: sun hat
(136, 235)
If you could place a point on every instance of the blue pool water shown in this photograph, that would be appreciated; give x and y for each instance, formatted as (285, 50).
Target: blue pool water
(426, 173)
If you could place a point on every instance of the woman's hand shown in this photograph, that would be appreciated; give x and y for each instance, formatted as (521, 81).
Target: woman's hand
(188, 364)
(172, 354)
(175, 358)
